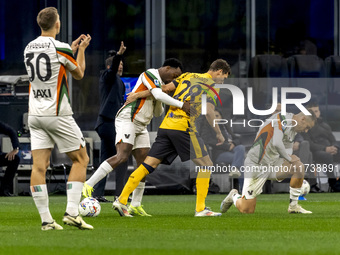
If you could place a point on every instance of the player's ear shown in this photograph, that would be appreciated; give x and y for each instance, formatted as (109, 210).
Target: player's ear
(57, 25)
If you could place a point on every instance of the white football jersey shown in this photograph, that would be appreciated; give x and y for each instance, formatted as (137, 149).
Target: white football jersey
(264, 150)
(142, 109)
(47, 61)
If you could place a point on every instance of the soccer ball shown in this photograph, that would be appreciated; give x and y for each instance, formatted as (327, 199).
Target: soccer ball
(305, 188)
(89, 207)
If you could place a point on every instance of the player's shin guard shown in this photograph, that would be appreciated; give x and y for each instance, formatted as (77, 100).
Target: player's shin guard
(133, 181)
(294, 195)
(137, 195)
(202, 187)
(40, 197)
(103, 170)
(73, 191)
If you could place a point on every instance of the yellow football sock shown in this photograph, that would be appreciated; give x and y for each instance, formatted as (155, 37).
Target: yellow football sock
(132, 183)
(202, 187)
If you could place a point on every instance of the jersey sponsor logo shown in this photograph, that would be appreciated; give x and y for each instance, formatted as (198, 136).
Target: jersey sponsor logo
(43, 93)
(174, 116)
(127, 136)
(250, 192)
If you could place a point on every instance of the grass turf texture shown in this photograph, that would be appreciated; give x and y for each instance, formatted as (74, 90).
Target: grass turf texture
(174, 230)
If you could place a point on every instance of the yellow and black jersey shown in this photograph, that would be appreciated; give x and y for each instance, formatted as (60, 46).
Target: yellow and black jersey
(189, 87)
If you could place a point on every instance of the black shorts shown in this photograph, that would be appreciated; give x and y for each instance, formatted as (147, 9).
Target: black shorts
(172, 143)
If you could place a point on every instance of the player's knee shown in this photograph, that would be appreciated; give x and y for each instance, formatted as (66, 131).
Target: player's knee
(246, 206)
(247, 210)
(47, 164)
(82, 160)
(298, 169)
(86, 160)
(40, 168)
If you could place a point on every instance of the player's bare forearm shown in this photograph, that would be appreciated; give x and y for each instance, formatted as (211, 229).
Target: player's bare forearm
(81, 60)
(210, 116)
(134, 96)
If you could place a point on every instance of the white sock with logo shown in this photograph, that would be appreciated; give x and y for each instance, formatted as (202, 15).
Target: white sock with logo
(137, 195)
(40, 198)
(103, 170)
(73, 190)
(294, 195)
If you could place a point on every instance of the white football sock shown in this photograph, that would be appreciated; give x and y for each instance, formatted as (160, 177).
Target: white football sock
(40, 197)
(236, 197)
(137, 195)
(294, 195)
(73, 191)
(103, 170)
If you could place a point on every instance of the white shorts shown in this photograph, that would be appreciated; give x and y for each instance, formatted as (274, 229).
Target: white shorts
(60, 130)
(255, 177)
(134, 133)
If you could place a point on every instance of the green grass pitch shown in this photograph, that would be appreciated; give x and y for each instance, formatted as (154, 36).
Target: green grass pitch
(174, 230)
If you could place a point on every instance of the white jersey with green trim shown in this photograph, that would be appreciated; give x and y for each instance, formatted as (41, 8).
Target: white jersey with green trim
(273, 140)
(47, 61)
(142, 110)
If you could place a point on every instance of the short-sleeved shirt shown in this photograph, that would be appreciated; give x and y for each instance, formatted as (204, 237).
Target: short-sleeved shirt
(47, 61)
(189, 87)
(142, 109)
(263, 151)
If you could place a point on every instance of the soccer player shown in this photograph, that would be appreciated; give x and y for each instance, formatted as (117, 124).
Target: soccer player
(131, 126)
(177, 136)
(270, 157)
(50, 115)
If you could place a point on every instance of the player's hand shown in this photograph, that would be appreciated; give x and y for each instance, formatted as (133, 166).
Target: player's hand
(85, 41)
(131, 97)
(75, 43)
(11, 155)
(188, 109)
(294, 159)
(122, 48)
(220, 139)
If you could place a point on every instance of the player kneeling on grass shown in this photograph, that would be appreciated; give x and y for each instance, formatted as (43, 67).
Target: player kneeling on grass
(270, 158)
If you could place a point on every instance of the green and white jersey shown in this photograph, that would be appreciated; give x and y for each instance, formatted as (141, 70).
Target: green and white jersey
(47, 61)
(273, 140)
(142, 109)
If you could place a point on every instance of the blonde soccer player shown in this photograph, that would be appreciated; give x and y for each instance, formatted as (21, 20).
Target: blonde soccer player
(50, 120)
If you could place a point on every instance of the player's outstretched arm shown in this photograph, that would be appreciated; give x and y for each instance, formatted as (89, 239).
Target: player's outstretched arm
(78, 73)
(167, 88)
(165, 98)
